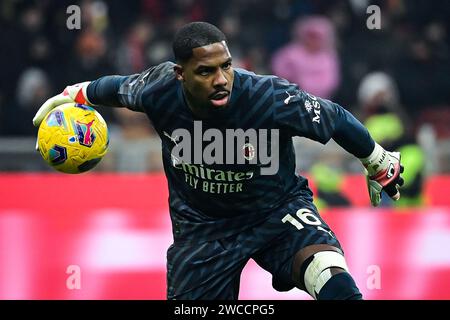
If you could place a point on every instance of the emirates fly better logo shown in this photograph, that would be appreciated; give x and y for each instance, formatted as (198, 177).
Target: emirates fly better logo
(201, 154)
(231, 146)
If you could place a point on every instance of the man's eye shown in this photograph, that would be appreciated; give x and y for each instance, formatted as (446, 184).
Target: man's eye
(204, 72)
(226, 66)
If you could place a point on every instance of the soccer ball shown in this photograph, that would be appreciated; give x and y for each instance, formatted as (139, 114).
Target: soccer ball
(73, 138)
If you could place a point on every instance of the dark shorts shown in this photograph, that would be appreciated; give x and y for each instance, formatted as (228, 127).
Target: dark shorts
(212, 270)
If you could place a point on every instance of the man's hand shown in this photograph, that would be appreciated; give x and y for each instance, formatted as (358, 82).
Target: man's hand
(383, 173)
(75, 93)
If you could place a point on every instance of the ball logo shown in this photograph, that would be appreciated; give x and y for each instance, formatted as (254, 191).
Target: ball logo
(57, 154)
(86, 136)
(56, 119)
(249, 151)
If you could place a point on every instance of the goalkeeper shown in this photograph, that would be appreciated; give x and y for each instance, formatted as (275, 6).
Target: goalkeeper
(224, 214)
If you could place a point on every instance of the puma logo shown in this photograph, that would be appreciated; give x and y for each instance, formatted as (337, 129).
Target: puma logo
(173, 139)
(288, 99)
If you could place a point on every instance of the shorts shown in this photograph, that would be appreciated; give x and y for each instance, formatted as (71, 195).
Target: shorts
(211, 270)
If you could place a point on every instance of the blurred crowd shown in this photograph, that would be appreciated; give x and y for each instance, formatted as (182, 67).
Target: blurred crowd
(397, 75)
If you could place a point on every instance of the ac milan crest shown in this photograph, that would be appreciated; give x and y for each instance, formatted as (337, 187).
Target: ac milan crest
(249, 151)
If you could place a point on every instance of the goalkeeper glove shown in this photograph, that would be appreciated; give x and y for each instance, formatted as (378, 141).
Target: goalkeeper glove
(383, 173)
(75, 93)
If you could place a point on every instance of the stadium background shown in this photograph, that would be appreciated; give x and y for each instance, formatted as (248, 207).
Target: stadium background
(113, 222)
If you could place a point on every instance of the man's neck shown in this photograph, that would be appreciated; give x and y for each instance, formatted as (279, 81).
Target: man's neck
(200, 113)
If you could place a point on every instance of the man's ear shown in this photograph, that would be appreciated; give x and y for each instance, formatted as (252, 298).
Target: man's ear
(179, 72)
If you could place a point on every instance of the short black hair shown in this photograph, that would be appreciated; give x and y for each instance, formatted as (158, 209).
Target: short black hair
(194, 35)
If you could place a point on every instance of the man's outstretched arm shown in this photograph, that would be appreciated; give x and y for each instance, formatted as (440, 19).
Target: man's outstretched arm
(111, 91)
(103, 91)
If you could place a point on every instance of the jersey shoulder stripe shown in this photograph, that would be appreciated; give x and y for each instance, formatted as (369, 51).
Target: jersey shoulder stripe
(143, 86)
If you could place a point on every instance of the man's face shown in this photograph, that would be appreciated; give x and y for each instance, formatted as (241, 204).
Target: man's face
(207, 78)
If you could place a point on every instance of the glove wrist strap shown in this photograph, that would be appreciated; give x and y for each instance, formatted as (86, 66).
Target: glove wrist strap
(376, 161)
(78, 92)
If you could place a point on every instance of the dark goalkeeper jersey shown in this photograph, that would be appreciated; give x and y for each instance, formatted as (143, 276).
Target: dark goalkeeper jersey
(215, 200)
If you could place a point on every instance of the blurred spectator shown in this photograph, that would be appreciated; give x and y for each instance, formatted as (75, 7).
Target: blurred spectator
(230, 25)
(387, 123)
(423, 68)
(159, 51)
(310, 59)
(95, 15)
(90, 60)
(138, 152)
(131, 56)
(377, 91)
(33, 88)
(328, 180)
